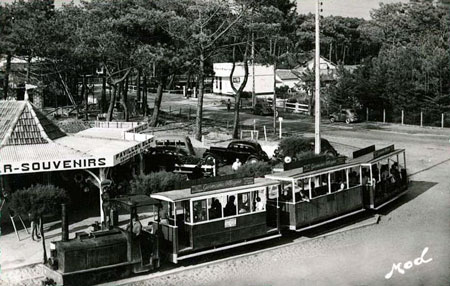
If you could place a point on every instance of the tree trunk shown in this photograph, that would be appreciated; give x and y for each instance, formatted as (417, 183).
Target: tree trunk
(85, 95)
(138, 89)
(156, 108)
(43, 238)
(198, 120)
(238, 91)
(124, 100)
(103, 94)
(112, 102)
(6, 80)
(27, 79)
(144, 95)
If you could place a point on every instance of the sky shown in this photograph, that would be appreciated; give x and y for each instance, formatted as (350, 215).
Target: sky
(345, 8)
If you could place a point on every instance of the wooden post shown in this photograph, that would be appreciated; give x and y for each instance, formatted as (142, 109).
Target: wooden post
(254, 124)
(184, 91)
(403, 116)
(421, 118)
(64, 224)
(265, 133)
(384, 115)
(367, 114)
(442, 120)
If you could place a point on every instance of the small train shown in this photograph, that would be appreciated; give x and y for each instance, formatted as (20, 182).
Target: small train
(223, 214)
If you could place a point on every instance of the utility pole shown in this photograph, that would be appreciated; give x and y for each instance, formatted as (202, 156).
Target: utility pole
(317, 89)
(253, 72)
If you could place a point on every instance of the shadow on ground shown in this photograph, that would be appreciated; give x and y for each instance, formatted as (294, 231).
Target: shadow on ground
(415, 189)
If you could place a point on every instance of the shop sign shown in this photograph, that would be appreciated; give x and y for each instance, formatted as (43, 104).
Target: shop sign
(131, 152)
(53, 165)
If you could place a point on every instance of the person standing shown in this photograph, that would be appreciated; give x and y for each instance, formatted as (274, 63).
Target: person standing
(35, 227)
(106, 187)
(228, 105)
(236, 165)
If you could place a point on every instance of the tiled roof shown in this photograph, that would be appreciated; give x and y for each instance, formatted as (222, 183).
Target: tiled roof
(23, 124)
(9, 114)
(286, 74)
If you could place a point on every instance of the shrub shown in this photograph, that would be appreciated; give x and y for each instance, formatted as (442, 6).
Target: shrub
(156, 182)
(258, 169)
(38, 200)
(291, 146)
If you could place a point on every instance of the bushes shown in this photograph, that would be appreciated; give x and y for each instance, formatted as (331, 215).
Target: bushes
(156, 182)
(38, 200)
(258, 169)
(291, 146)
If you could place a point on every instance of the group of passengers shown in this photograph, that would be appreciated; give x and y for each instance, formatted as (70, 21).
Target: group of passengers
(385, 178)
(300, 193)
(215, 210)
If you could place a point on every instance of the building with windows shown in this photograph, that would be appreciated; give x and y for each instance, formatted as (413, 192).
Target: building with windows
(264, 78)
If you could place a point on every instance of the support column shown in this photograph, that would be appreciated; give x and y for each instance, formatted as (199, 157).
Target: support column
(141, 164)
(102, 177)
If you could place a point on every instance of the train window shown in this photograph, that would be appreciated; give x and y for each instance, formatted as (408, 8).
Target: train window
(199, 210)
(286, 192)
(230, 208)
(147, 214)
(164, 212)
(301, 190)
(187, 211)
(244, 203)
(376, 172)
(214, 208)
(354, 178)
(338, 181)
(259, 200)
(319, 185)
(272, 192)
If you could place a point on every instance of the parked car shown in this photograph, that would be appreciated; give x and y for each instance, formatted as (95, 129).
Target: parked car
(345, 115)
(305, 145)
(174, 153)
(262, 107)
(244, 150)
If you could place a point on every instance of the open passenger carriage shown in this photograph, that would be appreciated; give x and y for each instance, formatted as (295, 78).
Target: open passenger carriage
(386, 174)
(311, 196)
(212, 217)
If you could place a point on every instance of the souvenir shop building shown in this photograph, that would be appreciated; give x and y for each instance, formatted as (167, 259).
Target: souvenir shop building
(34, 150)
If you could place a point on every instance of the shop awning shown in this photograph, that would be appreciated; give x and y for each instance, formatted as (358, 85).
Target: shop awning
(29, 142)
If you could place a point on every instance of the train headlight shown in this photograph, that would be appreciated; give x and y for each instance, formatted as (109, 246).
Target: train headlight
(287, 159)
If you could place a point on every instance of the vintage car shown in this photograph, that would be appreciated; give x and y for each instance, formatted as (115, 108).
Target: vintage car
(244, 150)
(345, 115)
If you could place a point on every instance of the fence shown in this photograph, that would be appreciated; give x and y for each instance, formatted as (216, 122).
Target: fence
(283, 104)
(423, 118)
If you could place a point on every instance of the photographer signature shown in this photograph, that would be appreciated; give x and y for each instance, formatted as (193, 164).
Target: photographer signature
(408, 264)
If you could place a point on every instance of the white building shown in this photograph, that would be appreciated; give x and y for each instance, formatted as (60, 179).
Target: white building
(264, 79)
(286, 77)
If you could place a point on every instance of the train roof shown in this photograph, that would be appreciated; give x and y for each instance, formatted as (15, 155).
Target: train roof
(369, 159)
(298, 172)
(186, 194)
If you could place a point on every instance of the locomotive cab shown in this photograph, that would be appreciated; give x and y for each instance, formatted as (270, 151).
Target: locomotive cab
(129, 245)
